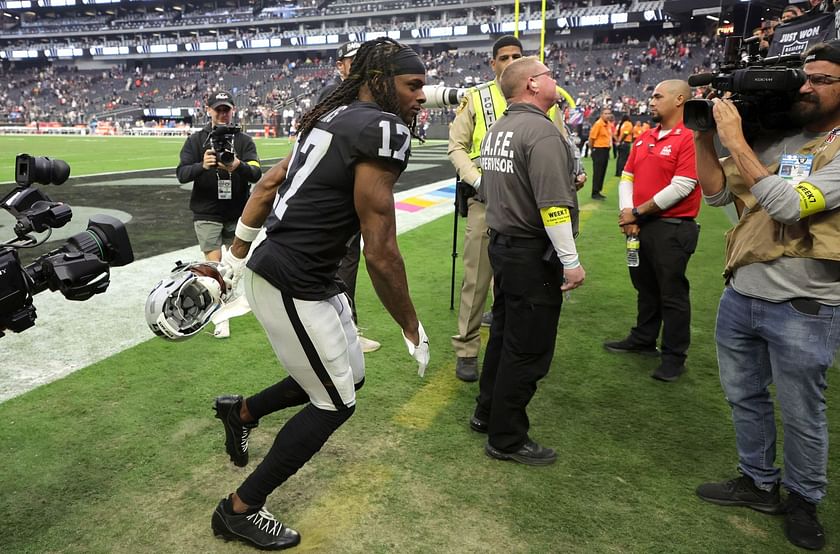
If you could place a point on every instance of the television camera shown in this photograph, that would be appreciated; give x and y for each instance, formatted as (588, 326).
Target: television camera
(221, 140)
(762, 89)
(79, 268)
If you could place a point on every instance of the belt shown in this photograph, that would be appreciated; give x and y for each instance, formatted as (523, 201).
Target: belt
(525, 242)
(676, 220)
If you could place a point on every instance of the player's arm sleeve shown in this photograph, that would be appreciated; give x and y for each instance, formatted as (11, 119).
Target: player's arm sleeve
(460, 143)
(788, 204)
(557, 221)
(625, 185)
(189, 168)
(249, 166)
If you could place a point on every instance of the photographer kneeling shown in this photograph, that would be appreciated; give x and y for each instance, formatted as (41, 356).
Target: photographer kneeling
(221, 162)
(776, 319)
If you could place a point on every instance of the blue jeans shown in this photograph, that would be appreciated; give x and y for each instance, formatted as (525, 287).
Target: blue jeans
(759, 343)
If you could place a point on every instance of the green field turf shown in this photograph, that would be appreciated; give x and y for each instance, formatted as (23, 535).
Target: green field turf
(125, 456)
(91, 155)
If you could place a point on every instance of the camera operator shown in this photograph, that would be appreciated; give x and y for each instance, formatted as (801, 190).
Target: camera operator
(777, 316)
(478, 110)
(219, 191)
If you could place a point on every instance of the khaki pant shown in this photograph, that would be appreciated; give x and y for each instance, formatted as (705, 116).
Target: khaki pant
(477, 277)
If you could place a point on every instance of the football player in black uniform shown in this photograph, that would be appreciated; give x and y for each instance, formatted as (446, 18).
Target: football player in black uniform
(338, 179)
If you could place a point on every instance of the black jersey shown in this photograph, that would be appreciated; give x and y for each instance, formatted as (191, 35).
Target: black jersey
(314, 215)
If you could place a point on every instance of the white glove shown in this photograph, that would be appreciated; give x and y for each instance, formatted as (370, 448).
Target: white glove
(233, 268)
(419, 352)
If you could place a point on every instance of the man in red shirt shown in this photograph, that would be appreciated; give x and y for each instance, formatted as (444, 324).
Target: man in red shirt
(659, 199)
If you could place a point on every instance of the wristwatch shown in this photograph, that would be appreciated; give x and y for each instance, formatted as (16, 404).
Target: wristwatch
(635, 212)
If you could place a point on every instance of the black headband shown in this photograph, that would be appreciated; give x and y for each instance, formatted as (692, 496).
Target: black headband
(406, 62)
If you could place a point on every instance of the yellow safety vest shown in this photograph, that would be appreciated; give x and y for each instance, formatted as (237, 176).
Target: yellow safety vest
(490, 105)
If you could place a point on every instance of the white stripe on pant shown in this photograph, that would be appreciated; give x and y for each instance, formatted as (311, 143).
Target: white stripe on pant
(315, 341)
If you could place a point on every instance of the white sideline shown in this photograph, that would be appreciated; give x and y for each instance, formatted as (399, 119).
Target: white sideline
(68, 336)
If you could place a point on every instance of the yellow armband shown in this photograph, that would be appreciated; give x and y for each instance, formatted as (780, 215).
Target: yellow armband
(552, 216)
(811, 199)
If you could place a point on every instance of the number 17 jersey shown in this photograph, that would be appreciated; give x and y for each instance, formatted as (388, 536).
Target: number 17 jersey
(314, 216)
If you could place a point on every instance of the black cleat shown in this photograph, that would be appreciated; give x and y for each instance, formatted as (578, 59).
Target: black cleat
(257, 528)
(236, 433)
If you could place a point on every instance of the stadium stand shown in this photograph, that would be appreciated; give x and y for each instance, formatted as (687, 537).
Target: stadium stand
(156, 59)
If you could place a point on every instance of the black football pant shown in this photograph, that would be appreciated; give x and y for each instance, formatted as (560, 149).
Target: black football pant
(665, 247)
(299, 439)
(526, 309)
(600, 159)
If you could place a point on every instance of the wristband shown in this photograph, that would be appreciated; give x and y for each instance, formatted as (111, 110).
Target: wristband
(246, 233)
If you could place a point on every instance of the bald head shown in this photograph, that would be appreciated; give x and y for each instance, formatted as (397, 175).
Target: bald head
(514, 79)
(677, 88)
(667, 102)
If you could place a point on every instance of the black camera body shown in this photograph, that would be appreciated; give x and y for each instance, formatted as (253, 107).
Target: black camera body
(762, 89)
(79, 268)
(221, 140)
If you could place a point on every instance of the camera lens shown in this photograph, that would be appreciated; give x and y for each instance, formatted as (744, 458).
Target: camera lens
(226, 157)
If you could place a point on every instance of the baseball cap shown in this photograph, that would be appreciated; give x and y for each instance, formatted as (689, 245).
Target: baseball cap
(824, 51)
(347, 50)
(221, 98)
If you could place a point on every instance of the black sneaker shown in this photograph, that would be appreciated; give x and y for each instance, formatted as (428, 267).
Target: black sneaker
(802, 527)
(628, 346)
(668, 372)
(742, 492)
(236, 433)
(530, 453)
(258, 528)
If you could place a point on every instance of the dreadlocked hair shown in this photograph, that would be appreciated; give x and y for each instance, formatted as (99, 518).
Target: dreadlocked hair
(371, 66)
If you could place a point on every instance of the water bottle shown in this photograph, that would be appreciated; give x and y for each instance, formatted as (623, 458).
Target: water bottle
(632, 251)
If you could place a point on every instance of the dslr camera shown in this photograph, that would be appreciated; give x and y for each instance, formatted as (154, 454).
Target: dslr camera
(79, 268)
(762, 89)
(221, 140)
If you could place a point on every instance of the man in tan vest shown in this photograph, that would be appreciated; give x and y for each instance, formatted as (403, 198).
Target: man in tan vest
(777, 319)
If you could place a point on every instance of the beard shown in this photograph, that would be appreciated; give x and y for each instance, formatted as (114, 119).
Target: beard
(656, 118)
(807, 109)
